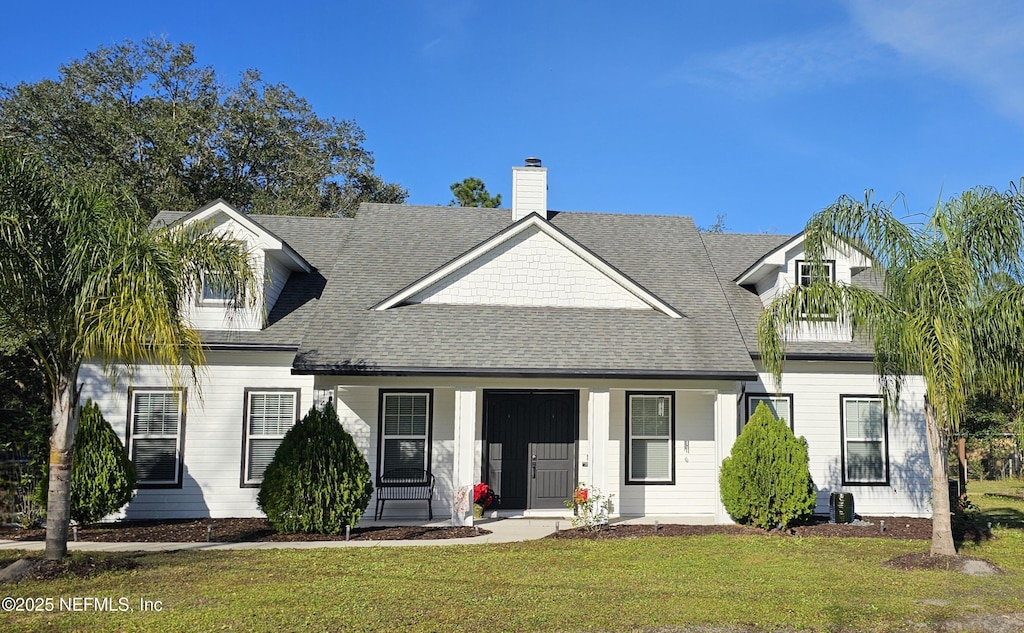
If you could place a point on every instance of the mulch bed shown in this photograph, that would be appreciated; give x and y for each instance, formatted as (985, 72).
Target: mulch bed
(895, 527)
(259, 530)
(232, 531)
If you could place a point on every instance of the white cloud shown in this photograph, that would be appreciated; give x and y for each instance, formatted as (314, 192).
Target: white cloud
(782, 65)
(972, 41)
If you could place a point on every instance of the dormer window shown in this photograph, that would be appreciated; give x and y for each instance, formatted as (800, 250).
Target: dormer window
(216, 290)
(809, 273)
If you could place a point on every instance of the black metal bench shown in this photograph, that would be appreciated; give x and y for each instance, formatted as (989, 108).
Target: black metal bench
(405, 484)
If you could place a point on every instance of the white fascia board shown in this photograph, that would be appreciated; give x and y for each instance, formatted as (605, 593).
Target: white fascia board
(770, 262)
(265, 239)
(530, 221)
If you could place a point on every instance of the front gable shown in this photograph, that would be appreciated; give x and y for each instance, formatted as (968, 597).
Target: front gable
(531, 263)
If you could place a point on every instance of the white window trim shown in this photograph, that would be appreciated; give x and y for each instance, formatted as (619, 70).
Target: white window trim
(212, 301)
(133, 436)
(384, 437)
(670, 480)
(847, 480)
(751, 405)
(247, 480)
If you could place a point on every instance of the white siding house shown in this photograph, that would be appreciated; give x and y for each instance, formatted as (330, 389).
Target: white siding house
(530, 349)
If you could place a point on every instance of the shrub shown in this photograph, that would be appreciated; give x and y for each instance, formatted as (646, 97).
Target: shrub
(102, 476)
(319, 480)
(765, 481)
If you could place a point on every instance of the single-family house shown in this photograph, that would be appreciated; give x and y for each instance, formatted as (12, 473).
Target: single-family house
(526, 348)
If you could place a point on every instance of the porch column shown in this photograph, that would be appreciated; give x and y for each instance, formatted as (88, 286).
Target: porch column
(464, 452)
(598, 420)
(726, 421)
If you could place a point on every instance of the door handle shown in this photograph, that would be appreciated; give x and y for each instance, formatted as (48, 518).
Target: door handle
(533, 464)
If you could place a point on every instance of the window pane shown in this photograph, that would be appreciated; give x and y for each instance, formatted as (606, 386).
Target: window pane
(271, 413)
(864, 419)
(405, 414)
(650, 415)
(404, 453)
(779, 407)
(261, 453)
(864, 461)
(650, 459)
(156, 413)
(216, 288)
(155, 459)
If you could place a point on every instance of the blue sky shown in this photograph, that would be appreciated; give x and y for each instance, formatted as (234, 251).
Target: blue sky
(764, 112)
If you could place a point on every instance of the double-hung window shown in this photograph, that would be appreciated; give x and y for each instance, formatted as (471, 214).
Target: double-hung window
(781, 406)
(405, 431)
(651, 432)
(156, 429)
(809, 273)
(865, 441)
(269, 415)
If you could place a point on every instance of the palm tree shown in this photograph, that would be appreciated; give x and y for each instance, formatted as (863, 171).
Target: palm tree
(83, 277)
(939, 314)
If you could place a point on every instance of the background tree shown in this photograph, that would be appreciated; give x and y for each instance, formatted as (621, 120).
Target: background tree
(83, 277)
(472, 192)
(145, 117)
(937, 316)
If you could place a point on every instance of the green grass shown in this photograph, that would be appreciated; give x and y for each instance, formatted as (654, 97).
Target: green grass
(767, 582)
(1002, 501)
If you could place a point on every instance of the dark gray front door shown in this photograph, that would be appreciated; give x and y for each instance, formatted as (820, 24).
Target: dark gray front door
(530, 447)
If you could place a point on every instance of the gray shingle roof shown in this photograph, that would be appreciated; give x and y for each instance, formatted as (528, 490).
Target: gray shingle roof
(392, 246)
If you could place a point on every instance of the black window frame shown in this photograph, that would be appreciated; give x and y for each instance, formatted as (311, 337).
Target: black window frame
(671, 481)
(800, 265)
(885, 437)
(245, 481)
(131, 435)
(747, 411)
(429, 438)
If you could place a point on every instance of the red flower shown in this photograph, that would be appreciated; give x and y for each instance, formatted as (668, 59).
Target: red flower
(581, 495)
(482, 494)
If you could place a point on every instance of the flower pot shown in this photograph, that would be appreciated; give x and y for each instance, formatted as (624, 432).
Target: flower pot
(478, 511)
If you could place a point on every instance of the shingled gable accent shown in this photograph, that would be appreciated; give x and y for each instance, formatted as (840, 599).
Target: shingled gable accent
(422, 288)
(265, 239)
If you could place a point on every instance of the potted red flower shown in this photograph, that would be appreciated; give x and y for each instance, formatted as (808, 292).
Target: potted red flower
(483, 497)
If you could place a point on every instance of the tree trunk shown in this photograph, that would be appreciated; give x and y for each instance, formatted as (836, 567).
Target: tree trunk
(64, 425)
(938, 455)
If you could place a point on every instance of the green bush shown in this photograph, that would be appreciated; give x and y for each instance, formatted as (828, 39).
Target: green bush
(765, 481)
(102, 476)
(319, 480)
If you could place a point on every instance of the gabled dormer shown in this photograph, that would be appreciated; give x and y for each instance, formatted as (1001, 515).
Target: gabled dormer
(273, 261)
(787, 266)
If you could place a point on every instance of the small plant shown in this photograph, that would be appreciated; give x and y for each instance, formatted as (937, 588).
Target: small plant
(766, 481)
(318, 481)
(102, 476)
(590, 508)
(483, 497)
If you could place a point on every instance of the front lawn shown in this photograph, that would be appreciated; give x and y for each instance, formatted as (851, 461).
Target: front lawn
(765, 581)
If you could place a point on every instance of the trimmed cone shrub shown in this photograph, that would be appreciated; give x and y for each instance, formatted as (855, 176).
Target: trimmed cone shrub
(102, 476)
(318, 481)
(765, 481)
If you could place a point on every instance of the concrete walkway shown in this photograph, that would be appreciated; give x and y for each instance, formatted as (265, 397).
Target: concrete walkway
(502, 531)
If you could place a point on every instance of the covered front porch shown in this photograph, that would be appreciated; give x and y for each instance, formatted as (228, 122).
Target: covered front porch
(653, 445)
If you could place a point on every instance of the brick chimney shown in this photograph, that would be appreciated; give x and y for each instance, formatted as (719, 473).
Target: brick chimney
(529, 190)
